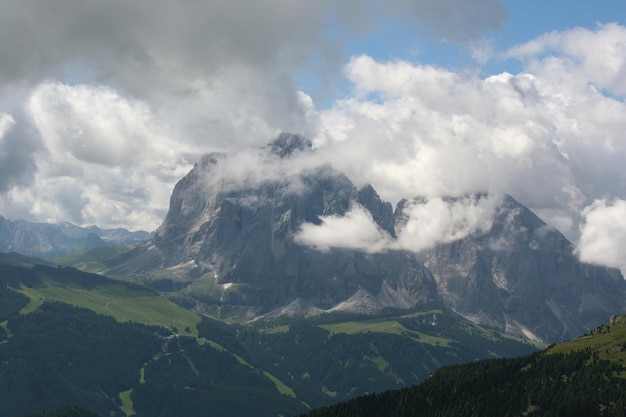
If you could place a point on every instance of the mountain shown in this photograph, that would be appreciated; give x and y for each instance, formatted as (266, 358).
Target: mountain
(231, 242)
(585, 377)
(238, 241)
(523, 278)
(117, 348)
(49, 241)
(226, 242)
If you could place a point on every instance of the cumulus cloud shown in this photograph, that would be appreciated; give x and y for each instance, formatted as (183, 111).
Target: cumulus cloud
(552, 136)
(603, 234)
(588, 57)
(100, 158)
(95, 125)
(111, 102)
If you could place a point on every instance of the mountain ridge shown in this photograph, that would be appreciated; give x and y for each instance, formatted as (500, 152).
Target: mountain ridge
(53, 240)
(234, 238)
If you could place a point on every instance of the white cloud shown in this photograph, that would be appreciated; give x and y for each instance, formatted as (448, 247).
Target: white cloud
(104, 159)
(437, 221)
(95, 125)
(587, 57)
(355, 230)
(546, 135)
(113, 101)
(425, 223)
(6, 122)
(603, 234)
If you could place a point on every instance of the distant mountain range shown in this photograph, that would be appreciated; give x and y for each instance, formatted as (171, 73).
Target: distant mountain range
(229, 241)
(49, 241)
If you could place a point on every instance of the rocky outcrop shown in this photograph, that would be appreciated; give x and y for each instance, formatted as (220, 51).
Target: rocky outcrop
(523, 277)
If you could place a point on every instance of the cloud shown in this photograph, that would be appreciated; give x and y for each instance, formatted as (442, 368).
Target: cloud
(94, 125)
(113, 101)
(589, 58)
(453, 20)
(165, 48)
(603, 234)
(99, 158)
(18, 144)
(355, 230)
(438, 220)
(552, 136)
(424, 223)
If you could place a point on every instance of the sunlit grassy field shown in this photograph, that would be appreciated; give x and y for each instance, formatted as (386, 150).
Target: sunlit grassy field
(608, 340)
(113, 298)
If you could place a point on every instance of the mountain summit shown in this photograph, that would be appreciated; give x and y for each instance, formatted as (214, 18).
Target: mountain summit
(286, 144)
(242, 238)
(235, 236)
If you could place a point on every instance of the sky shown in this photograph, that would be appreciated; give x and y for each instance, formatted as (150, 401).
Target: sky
(105, 105)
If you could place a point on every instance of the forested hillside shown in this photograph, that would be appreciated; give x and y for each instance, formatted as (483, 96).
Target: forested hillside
(581, 378)
(67, 411)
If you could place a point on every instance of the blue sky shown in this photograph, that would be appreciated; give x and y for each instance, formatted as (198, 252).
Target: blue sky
(397, 38)
(105, 105)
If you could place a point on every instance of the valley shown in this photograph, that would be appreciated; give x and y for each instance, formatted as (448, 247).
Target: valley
(293, 363)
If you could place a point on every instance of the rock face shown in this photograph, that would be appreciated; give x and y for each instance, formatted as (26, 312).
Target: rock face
(521, 276)
(245, 236)
(48, 241)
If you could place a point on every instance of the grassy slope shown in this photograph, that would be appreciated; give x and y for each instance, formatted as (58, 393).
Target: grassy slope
(394, 325)
(13, 258)
(123, 301)
(129, 302)
(608, 340)
(98, 259)
(389, 326)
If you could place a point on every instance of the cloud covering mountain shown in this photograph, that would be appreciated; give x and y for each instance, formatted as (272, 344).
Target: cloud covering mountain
(104, 106)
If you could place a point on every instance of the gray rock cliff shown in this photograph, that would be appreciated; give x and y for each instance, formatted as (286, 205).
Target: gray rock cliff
(245, 236)
(520, 276)
(523, 277)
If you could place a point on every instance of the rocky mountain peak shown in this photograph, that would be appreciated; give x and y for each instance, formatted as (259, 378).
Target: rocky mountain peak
(237, 246)
(288, 144)
(524, 277)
